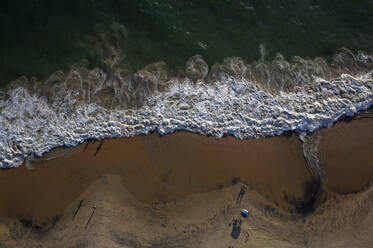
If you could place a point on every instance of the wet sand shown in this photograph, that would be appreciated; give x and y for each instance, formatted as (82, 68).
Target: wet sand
(347, 155)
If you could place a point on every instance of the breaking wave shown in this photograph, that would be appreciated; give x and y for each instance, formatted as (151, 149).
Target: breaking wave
(232, 98)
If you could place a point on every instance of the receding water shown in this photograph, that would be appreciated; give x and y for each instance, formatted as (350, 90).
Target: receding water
(39, 36)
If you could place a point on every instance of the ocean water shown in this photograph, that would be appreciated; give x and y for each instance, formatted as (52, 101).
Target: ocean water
(249, 69)
(40, 36)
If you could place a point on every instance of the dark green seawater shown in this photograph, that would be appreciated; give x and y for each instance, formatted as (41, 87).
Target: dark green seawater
(42, 36)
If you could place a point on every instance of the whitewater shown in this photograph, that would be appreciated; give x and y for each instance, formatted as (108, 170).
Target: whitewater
(74, 109)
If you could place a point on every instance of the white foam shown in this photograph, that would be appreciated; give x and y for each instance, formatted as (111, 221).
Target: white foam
(31, 126)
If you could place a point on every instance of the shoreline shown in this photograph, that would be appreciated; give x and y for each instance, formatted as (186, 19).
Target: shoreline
(362, 114)
(342, 119)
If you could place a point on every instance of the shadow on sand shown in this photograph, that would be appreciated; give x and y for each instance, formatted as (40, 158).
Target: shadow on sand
(236, 229)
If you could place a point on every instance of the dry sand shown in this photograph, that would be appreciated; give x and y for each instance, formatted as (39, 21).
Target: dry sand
(179, 190)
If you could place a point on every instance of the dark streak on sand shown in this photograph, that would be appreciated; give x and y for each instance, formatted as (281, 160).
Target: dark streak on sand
(90, 217)
(98, 148)
(86, 145)
(77, 209)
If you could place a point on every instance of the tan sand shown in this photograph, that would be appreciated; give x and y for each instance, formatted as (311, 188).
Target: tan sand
(197, 220)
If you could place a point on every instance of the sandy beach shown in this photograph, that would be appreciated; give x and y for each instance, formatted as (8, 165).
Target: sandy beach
(179, 190)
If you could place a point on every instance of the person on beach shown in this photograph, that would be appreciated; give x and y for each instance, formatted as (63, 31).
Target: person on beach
(241, 193)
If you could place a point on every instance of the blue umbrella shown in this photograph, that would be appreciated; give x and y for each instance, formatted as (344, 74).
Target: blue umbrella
(245, 213)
